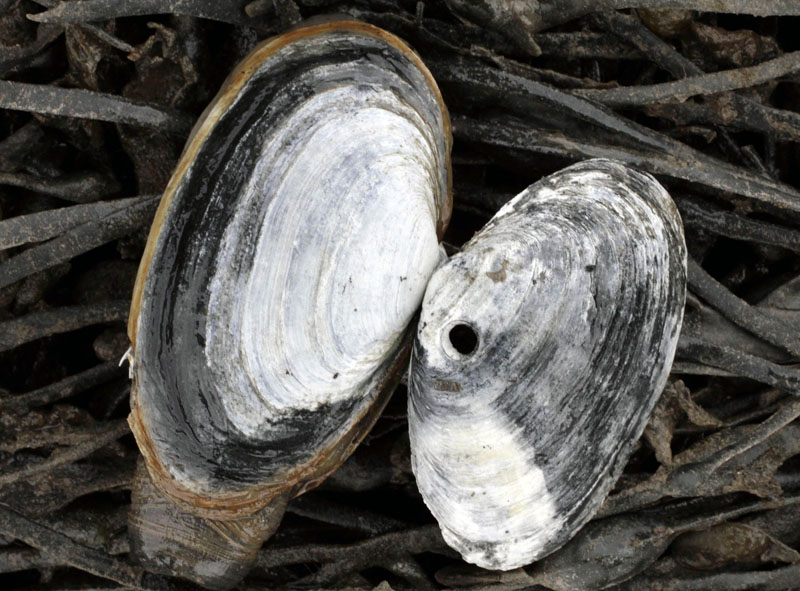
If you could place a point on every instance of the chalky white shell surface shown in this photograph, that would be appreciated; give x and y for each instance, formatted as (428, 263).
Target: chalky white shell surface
(575, 290)
(292, 252)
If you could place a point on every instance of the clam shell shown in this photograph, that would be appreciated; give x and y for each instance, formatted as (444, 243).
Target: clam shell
(215, 554)
(290, 251)
(569, 304)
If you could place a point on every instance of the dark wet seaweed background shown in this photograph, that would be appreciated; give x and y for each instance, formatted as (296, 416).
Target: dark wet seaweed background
(711, 497)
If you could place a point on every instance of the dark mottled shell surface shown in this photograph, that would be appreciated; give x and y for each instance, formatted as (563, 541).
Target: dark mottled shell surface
(215, 554)
(541, 351)
(290, 252)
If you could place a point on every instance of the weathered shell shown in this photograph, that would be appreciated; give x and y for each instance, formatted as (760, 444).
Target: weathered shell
(214, 553)
(541, 351)
(290, 251)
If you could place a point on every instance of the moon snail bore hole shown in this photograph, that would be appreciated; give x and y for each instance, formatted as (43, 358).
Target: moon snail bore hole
(463, 338)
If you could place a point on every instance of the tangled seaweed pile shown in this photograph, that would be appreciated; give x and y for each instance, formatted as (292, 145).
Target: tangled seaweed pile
(98, 97)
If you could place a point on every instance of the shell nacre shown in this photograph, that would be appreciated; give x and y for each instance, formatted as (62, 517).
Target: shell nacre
(289, 254)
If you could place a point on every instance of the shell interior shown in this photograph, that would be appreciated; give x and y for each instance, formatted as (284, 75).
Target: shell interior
(291, 251)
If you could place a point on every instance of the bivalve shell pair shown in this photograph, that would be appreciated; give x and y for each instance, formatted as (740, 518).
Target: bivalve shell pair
(289, 254)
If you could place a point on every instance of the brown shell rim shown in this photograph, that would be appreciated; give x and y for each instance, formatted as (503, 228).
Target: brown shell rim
(229, 90)
(244, 503)
(247, 502)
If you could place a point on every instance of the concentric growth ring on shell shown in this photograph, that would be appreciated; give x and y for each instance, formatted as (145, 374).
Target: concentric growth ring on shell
(576, 288)
(291, 250)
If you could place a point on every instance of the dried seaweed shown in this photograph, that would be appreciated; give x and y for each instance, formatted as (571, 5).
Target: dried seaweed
(79, 187)
(739, 112)
(730, 544)
(609, 551)
(37, 227)
(520, 22)
(120, 222)
(16, 55)
(63, 388)
(110, 432)
(697, 85)
(66, 550)
(37, 325)
(346, 559)
(326, 511)
(590, 125)
(87, 104)
(228, 11)
(681, 579)
(97, 97)
(739, 227)
(736, 459)
(737, 310)
(43, 494)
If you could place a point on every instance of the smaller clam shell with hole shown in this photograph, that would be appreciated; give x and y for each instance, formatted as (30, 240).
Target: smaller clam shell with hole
(290, 253)
(541, 351)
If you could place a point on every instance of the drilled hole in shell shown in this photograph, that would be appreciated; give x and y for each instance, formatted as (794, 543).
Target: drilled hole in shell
(463, 338)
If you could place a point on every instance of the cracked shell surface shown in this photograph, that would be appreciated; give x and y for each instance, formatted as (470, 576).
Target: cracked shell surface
(289, 254)
(572, 299)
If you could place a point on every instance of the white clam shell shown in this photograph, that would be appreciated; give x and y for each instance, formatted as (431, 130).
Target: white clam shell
(291, 250)
(575, 293)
